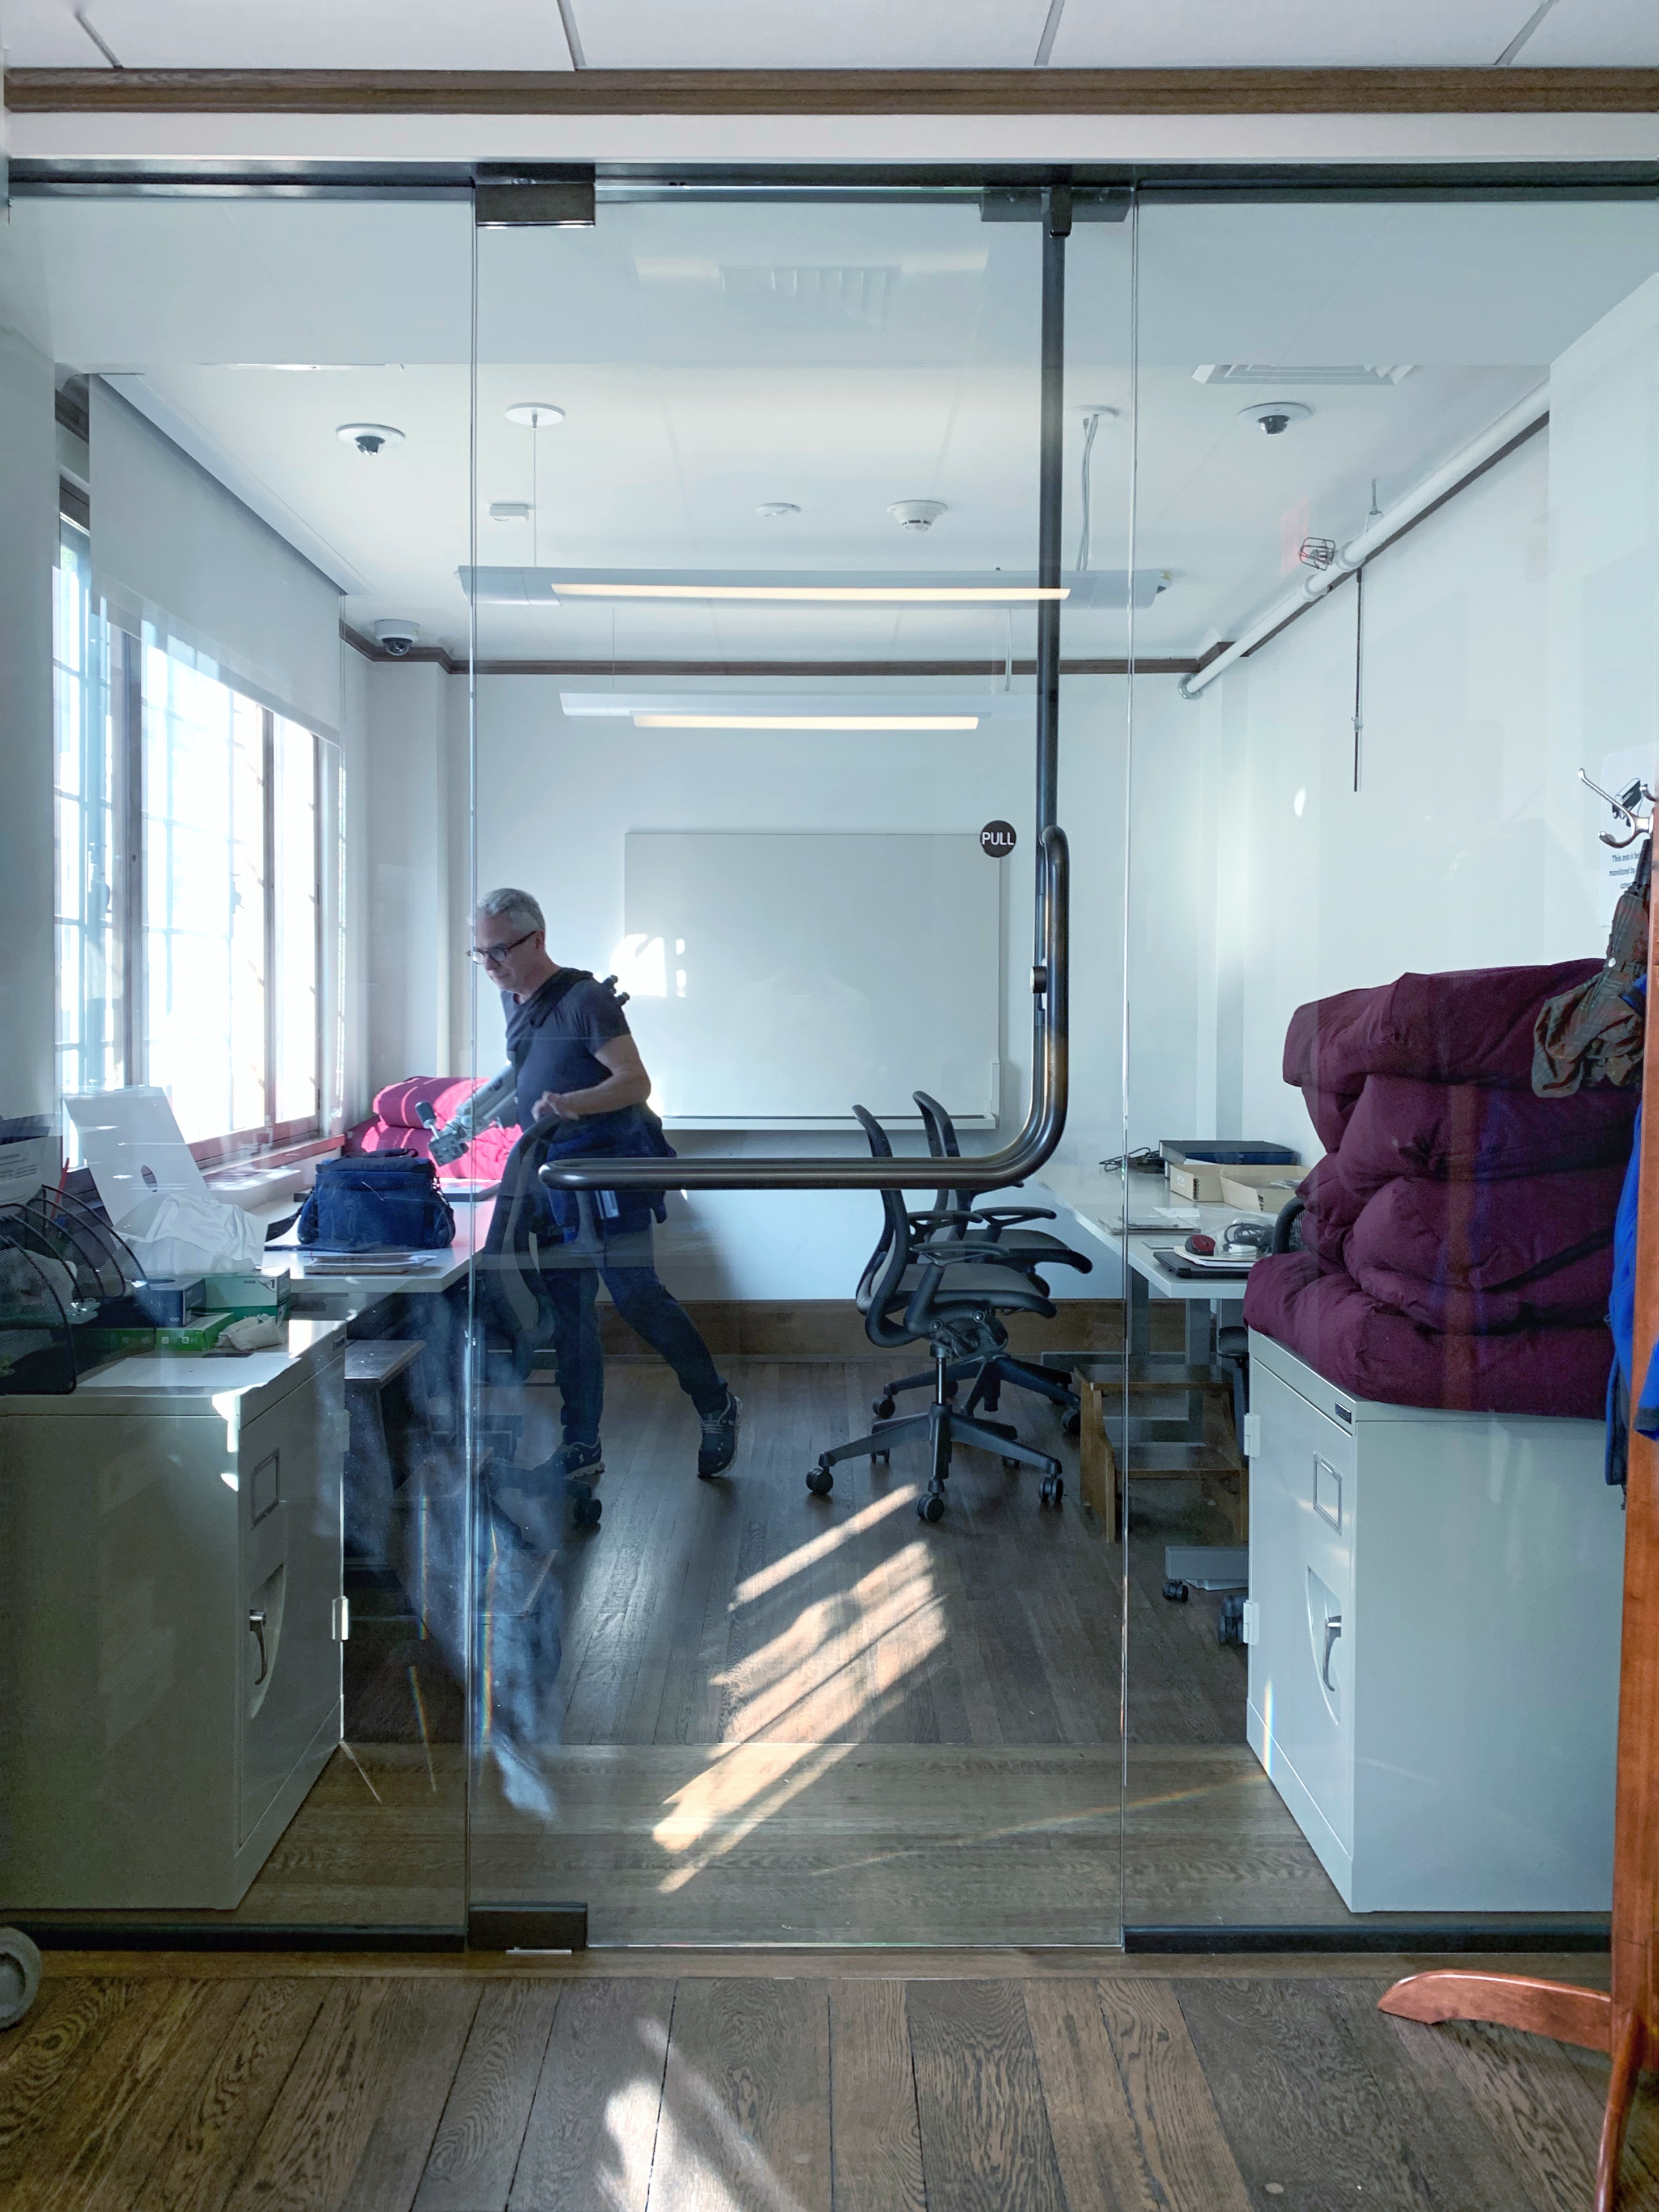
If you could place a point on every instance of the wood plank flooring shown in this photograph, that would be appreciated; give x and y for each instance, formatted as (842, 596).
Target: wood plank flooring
(739, 1713)
(527, 2092)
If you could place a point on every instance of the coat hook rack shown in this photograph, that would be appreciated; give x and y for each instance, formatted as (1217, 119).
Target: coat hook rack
(1637, 795)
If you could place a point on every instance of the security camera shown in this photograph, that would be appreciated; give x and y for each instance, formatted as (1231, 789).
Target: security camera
(1275, 417)
(397, 637)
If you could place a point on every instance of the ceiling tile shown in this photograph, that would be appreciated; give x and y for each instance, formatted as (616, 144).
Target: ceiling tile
(1594, 34)
(365, 35)
(810, 33)
(1287, 33)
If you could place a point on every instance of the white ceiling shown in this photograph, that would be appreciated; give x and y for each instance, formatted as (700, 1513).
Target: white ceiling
(711, 358)
(505, 34)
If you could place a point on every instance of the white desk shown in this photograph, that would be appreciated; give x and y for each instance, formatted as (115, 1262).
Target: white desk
(1097, 1200)
(347, 1291)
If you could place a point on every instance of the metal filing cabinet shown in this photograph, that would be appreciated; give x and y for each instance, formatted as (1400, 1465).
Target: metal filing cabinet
(1434, 1626)
(170, 1579)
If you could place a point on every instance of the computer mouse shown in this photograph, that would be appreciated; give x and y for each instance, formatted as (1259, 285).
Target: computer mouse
(1201, 1244)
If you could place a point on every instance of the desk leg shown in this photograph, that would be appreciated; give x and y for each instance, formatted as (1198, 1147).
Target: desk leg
(1140, 1315)
(1097, 1462)
(1200, 1333)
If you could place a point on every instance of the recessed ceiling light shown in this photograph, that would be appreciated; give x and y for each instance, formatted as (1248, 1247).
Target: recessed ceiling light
(776, 510)
(535, 414)
(369, 438)
(509, 510)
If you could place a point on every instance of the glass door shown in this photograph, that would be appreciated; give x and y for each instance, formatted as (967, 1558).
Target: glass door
(761, 564)
(1393, 457)
(236, 489)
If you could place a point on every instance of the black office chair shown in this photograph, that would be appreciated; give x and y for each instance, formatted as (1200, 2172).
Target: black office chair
(914, 1287)
(1016, 1247)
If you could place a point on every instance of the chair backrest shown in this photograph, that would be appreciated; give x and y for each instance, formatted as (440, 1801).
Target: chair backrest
(884, 1271)
(942, 1144)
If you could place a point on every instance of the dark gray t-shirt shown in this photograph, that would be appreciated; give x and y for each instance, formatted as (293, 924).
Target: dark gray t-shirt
(556, 1048)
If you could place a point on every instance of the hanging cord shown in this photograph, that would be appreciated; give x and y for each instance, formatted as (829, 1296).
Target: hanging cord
(1359, 668)
(535, 494)
(1091, 425)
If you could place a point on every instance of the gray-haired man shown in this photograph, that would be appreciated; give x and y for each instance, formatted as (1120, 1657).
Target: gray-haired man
(574, 1058)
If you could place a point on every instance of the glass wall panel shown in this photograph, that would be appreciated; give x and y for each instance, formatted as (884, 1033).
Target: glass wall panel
(233, 440)
(1395, 460)
(757, 619)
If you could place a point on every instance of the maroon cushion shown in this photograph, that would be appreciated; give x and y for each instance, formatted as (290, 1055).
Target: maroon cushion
(1355, 1341)
(1473, 1025)
(1485, 1236)
(1466, 1132)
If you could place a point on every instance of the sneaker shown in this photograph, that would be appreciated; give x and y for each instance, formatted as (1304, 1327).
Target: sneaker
(532, 1502)
(719, 1447)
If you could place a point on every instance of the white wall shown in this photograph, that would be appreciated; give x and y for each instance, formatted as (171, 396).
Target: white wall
(28, 549)
(411, 828)
(1468, 844)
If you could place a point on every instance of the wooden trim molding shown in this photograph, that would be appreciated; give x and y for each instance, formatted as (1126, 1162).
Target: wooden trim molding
(835, 92)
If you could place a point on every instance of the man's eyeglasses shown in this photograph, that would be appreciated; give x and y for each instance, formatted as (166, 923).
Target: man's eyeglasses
(487, 954)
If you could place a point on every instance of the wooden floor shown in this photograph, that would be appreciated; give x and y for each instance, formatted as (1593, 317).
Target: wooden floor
(739, 1713)
(518, 2092)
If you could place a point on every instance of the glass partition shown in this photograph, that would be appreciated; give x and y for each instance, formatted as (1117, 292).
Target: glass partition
(236, 440)
(756, 606)
(1393, 457)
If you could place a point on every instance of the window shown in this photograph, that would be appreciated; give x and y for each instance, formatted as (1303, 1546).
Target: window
(88, 805)
(201, 965)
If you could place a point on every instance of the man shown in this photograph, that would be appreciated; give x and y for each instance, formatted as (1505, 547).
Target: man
(575, 1058)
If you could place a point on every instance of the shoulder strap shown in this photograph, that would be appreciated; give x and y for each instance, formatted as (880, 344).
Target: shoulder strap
(555, 988)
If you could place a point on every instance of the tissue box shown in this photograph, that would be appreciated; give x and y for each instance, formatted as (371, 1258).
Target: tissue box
(248, 1293)
(170, 1302)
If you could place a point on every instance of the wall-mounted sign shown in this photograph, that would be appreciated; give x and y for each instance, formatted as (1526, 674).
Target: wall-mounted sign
(997, 839)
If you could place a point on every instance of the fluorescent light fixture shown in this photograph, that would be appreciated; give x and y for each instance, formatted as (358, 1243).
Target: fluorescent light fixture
(886, 709)
(889, 594)
(807, 721)
(1097, 589)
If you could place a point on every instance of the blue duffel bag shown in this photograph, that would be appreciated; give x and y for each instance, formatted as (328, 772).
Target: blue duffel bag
(378, 1199)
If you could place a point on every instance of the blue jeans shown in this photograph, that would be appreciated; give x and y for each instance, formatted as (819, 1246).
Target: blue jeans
(651, 1311)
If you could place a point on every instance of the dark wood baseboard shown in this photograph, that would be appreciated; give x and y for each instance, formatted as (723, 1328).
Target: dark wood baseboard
(837, 91)
(833, 1328)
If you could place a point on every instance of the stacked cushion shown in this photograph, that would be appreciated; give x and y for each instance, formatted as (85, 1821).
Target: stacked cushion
(1458, 1234)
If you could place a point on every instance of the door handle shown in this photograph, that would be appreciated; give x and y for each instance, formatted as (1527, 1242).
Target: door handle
(256, 1621)
(1333, 1629)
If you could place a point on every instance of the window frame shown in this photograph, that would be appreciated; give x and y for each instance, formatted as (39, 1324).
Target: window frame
(297, 1136)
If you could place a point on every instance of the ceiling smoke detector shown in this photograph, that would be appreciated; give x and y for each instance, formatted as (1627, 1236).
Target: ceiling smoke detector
(916, 514)
(775, 510)
(1275, 417)
(369, 438)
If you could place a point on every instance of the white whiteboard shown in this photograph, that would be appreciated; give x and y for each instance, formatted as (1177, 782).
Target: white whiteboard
(780, 975)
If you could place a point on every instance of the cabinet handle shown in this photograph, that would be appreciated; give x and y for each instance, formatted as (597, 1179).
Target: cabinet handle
(1333, 1629)
(256, 1621)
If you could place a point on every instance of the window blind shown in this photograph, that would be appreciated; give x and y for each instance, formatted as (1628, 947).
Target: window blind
(173, 547)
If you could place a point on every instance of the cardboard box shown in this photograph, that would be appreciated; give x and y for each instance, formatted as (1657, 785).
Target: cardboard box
(1258, 1190)
(1198, 1183)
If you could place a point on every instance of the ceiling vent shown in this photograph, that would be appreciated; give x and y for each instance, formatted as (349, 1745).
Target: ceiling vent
(1256, 372)
(830, 295)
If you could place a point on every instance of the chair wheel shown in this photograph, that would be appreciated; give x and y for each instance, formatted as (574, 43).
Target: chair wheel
(1071, 1425)
(1052, 1490)
(1175, 1592)
(821, 1481)
(1229, 1621)
(931, 1507)
(588, 1510)
(1012, 1465)
(885, 1409)
(886, 1458)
